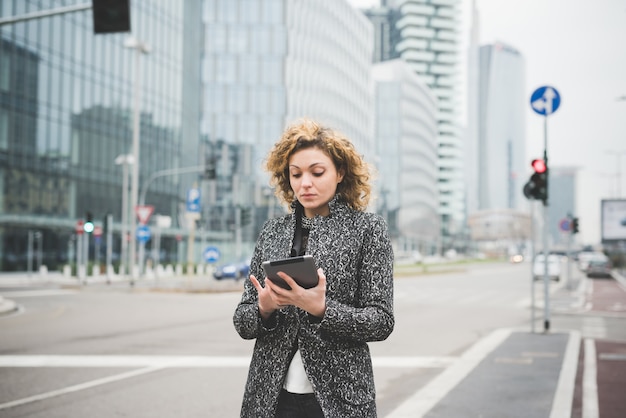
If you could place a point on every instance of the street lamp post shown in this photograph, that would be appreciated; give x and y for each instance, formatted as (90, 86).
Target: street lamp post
(124, 160)
(140, 48)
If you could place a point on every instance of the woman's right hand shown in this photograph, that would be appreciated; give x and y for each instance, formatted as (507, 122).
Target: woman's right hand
(267, 306)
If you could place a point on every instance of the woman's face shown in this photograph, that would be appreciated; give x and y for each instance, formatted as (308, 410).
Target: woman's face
(314, 179)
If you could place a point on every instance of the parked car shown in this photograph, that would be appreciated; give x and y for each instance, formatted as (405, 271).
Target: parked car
(554, 267)
(599, 268)
(233, 270)
(585, 257)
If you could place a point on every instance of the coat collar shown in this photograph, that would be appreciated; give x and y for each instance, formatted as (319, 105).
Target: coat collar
(336, 205)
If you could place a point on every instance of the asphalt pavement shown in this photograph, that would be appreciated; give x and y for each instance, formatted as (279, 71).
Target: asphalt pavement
(514, 373)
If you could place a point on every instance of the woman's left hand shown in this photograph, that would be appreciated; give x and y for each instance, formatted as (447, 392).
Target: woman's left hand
(311, 300)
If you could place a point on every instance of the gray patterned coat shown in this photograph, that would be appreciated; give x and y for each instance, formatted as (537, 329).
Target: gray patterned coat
(354, 250)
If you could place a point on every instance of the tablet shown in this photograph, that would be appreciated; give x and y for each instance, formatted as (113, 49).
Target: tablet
(302, 269)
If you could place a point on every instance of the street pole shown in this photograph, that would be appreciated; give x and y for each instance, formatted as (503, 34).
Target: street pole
(139, 48)
(532, 266)
(124, 160)
(109, 254)
(144, 191)
(569, 252)
(546, 279)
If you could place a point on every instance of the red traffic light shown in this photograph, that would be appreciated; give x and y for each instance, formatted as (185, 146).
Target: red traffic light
(539, 166)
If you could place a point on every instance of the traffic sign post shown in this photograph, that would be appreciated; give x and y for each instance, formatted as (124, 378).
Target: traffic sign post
(545, 101)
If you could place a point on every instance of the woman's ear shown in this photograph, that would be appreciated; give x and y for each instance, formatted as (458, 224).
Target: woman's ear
(340, 175)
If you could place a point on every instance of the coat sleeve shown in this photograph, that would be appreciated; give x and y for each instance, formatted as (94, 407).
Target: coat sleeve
(373, 318)
(246, 319)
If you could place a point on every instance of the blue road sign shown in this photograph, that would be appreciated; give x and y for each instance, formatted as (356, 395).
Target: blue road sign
(193, 200)
(143, 233)
(564, 225)
(545, 100)
(211, 254)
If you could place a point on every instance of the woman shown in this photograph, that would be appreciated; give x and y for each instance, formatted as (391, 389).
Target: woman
(311, 357)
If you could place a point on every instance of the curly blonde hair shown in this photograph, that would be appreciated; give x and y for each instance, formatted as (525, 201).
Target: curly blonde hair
(355, 187)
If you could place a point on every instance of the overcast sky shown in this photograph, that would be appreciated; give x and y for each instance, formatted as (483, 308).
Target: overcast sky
(578, 47)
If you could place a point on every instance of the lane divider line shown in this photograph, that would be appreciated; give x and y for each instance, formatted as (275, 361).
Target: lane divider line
(591, 408)
(564, 395)
(79, 387)
(426, 398)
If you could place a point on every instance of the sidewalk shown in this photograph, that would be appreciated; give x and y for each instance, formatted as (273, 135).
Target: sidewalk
(520, 374)
(508, 374)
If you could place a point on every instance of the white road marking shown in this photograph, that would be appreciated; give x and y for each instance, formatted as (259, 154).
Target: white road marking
(564, 395)
(37, 293)
(190, 361)
(427, 397)
(151, 364)
(81, 386)
(590, 382)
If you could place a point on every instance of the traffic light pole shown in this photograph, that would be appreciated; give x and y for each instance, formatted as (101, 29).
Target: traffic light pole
(544, 101)
(546, 278)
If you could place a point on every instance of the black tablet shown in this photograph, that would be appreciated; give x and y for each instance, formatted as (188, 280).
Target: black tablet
(302, 269)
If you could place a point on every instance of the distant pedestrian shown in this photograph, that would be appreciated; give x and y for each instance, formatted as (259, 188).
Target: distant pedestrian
(311, 357)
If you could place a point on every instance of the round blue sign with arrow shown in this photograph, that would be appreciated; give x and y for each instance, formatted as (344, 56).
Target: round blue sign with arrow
(143, 233)
(211, 254)
(545, 100)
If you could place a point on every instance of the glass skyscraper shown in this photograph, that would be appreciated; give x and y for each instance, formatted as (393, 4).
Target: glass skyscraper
(267, 63)
(66, 114)
(217, 88)
(502, 166)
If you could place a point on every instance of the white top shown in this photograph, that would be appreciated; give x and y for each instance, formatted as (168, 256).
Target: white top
(297, 380)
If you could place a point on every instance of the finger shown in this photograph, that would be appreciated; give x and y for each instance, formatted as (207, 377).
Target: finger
(255, 283)
(287, 278)
(322, 277)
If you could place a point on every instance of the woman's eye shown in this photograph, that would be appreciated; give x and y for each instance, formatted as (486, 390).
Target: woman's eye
(296, 175)
(318, 174)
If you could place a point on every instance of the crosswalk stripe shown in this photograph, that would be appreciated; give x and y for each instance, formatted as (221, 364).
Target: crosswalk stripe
(191, 361)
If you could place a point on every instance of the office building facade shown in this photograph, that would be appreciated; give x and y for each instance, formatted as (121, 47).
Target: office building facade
(66, 114)
(406, 129)
(501, 164)
(424, 33)
(268, 63)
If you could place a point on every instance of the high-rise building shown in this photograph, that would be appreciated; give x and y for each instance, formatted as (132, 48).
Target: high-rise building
(424, 33)
(406, 129)
(501, 142)
(66, 114)
(268, 63)
(221, 80)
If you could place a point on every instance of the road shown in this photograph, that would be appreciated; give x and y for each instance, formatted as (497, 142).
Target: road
(111, 350)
